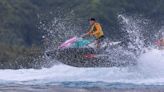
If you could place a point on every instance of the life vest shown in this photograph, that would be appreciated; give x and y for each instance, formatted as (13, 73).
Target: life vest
(96, 30)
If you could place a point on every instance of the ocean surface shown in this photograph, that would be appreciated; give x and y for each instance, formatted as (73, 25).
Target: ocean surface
(146, 76)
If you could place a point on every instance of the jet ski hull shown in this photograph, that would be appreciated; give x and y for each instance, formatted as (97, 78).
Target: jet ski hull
(85, 57)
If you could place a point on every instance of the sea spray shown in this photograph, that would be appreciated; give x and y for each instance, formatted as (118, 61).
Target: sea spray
(149, 70)
(133, 28)
(151, 64)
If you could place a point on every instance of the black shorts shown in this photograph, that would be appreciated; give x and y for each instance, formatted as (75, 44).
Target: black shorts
(100, 39)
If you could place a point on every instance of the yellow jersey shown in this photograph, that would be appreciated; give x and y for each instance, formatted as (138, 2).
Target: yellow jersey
(96, 30)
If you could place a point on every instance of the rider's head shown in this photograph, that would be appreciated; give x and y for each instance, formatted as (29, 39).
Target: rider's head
(92, 21)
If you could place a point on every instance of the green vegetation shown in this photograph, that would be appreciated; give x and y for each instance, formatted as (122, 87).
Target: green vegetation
(19, 20)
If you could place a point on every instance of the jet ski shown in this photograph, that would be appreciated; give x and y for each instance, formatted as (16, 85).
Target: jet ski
(79, 52)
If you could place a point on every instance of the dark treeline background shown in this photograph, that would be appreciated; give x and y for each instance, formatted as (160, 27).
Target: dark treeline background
(19, 19)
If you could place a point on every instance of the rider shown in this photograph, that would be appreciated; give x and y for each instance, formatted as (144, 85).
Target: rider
(95, 30)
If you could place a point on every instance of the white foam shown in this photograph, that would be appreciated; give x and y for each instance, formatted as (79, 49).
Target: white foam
(151, 63)
(149, 71)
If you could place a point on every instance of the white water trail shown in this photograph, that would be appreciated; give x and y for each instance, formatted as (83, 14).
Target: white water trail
(149, 72)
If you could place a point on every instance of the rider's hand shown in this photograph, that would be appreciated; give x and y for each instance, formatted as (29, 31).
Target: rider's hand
(84, 35)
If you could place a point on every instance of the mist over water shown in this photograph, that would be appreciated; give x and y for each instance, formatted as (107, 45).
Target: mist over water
(151, 64)
(148, 71)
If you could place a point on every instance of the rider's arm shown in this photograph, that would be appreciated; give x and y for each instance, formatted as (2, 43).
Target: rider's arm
(88, 33)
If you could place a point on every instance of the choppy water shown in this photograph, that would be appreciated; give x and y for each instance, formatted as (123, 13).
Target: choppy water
(147, 74)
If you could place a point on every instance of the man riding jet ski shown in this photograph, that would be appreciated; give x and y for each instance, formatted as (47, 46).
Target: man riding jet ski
(96, 31)
(79, 52)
